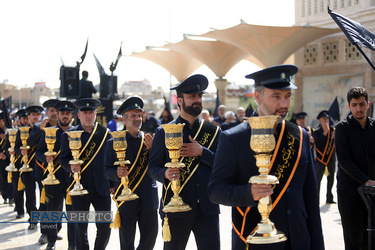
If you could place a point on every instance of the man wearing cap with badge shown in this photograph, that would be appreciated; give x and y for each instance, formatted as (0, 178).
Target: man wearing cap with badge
(93, 177)
(19, 201)
(200, 140)
(5, 187)
(301, 121)
(54, 194)
(295, 199)
(325, 163)
(142, 210)
(28, 178)
(38, 167)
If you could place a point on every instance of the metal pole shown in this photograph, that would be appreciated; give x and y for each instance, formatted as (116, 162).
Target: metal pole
(367, 193)
(365, 56)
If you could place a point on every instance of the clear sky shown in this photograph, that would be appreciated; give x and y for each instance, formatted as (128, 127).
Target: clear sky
(36, 34)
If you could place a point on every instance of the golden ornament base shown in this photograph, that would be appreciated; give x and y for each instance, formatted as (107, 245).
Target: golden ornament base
(121, 163)
(176, 205)
(78, 190)
(26, 168)
(50, 181)
(174, 165)
(75, 162)
(127, 195)
(266, 233)
(264, 179)
(11, 168)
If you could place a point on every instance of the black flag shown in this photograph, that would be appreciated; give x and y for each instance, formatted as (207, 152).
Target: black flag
(84, 53)
(249, 110)
(100, 67)
(114, 65)
(334, 111)
(354, 31)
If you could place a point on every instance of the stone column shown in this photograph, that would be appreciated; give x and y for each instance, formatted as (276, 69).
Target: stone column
(221, 84)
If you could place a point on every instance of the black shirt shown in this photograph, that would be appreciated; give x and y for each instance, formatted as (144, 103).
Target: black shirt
(355, 148)
(149, 125)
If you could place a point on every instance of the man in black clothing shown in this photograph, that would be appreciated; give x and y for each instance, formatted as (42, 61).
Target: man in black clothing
(230, 121)
(35, 133)
(355, 147)
(5, 187)
(302, 122)
(18, 195)
(28, 178)
(93, 141)
(55, 194)
(240, 115)
(143, 210)
(325, 153)
(86, 86)
(200, 140)
(149, 123)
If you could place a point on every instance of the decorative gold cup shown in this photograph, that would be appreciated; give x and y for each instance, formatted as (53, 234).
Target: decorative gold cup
(173, 142)
(75, 145)
(12, 139)
(120, 145)
(50, 141)
(262, 142)
(24, 133)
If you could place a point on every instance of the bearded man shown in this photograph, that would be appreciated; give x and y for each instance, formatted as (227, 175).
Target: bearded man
(197, 153)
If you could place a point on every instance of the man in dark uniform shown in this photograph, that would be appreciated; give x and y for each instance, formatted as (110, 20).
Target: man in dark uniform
(220, 118)
(149, 123)
(144, 209)
(18, 194)
(55, 194)
(240, 115)
(86, 86)
(38, 168)
(5, 187)
(295, 199)
(197, 153)
(354, 138)
(93, 178)
(28, 178)
(301, 121)
(325, 153)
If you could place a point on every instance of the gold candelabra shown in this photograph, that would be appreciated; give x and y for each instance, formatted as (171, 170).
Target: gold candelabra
(50, 138)
(173, 142)
(120, 145)
(12, 132)
(75, 145)
(24, 133)
(262, 142)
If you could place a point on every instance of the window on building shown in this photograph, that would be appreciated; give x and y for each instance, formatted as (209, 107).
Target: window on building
(342, 4)
(310, 55)
(334, 4)
(349, 3)
(351, 52)
(322, 6)
(356, 1)
(315, 7)
(309, 7)
(331, 52)
(303, 8)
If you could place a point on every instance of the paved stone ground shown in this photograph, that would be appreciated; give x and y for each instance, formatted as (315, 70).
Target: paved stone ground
(15, 235)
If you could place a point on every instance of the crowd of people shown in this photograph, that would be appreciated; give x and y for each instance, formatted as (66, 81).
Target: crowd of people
(215, 163)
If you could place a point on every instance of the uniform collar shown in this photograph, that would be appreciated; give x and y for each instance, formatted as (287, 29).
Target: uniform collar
(187, 124)
(139, 135)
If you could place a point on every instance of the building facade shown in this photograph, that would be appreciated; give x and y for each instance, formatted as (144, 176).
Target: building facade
(330, 66)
